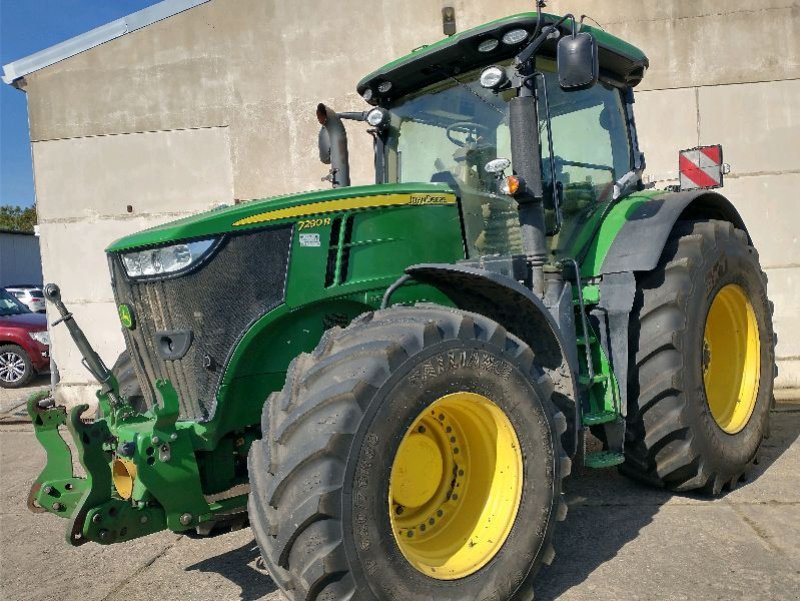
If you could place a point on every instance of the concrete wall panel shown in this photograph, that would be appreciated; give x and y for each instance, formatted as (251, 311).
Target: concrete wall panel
(152, 172)
(704, 43)
(766, 205)
(784, 290)
(626, 11)
(758, 125)
(666, 121)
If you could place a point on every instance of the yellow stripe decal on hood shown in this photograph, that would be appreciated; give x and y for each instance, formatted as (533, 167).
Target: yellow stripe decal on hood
(349, 204)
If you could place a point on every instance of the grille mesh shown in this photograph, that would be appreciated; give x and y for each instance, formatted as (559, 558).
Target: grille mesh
(243, 280)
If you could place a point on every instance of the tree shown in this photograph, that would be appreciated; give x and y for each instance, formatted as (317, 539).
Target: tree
(17, 219)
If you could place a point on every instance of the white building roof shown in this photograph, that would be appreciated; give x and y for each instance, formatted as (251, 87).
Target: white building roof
(20, 68)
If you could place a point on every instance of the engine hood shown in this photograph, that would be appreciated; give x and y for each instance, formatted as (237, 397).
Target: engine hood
(282, 209)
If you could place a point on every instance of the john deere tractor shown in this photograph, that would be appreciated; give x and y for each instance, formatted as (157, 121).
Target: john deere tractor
(393, 380)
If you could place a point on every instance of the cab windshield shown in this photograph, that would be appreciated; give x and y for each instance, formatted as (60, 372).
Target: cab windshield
(448, 132)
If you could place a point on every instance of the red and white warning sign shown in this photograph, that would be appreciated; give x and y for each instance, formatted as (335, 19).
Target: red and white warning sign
(701, 167)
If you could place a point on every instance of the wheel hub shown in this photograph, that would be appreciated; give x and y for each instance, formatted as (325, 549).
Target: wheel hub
(455, 486)
(731, 373)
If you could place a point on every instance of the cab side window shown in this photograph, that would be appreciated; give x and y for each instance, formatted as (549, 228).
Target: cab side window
(591, 146)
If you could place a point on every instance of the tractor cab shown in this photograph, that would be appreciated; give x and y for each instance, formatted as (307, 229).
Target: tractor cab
(443, 114)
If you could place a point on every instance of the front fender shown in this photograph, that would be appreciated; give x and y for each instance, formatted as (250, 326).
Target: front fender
(516, 308)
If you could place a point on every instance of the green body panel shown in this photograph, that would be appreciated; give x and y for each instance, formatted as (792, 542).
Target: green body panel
(597, 229)
(221, 221)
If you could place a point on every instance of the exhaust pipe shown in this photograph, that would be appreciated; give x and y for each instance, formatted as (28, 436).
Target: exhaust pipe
(333, 146)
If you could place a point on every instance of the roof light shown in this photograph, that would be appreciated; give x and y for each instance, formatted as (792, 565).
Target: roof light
(488, 45)
(493, 77)
(378, 117)
(367, 94)
(385, 87)
(515, 36)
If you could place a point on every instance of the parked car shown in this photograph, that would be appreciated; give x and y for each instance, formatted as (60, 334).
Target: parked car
(24, 342)
(29, 295)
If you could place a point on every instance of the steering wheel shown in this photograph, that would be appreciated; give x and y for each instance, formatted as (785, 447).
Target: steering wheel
(465, 125)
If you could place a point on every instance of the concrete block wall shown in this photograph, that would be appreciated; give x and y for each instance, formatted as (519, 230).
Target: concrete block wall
(216, 105)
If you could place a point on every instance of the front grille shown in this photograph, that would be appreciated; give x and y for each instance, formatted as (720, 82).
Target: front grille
(217, 302)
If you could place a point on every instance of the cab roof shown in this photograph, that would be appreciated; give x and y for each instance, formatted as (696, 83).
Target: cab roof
(619, 60)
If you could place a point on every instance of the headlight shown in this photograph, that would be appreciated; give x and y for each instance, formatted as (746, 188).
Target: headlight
(40, 337)
(168, 259)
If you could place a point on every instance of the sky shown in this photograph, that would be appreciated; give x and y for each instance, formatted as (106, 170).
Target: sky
(27, 26)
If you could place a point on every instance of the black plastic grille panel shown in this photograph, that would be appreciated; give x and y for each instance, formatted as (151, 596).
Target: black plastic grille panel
(218, 301)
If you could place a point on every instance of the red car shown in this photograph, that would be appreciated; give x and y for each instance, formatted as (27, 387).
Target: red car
(24, 343)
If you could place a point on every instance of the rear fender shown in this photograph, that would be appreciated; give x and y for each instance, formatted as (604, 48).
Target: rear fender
(639, 243)
(516, 308)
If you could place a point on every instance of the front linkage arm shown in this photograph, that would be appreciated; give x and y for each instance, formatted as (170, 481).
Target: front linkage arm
(141, 471)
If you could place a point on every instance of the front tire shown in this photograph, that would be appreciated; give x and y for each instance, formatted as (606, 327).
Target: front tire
(370, 447)
(702, 362)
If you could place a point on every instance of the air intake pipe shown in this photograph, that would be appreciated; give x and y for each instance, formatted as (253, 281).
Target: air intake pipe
(333, 146)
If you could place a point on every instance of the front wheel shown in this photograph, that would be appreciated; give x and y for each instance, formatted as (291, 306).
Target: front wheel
(702, 361)
(416, 451)
(16, 369)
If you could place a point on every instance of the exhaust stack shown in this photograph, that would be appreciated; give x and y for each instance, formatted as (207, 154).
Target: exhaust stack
(333, 146)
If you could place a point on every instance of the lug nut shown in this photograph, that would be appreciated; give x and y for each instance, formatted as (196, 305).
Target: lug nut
(156, 440)
(143, 519)
(97, 518)
(48, 490)
(174, 436)
(57, 506)
(186, 519)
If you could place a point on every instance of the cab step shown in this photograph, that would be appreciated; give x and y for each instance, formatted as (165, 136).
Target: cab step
(595, 379)
(601, 417)
(603, 459)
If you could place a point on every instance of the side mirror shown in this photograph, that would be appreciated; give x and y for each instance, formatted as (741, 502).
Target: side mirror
(578, 62)
(324, 142)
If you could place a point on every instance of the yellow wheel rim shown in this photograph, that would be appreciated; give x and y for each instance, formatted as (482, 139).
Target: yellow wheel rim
(455, 486)
(731, 359)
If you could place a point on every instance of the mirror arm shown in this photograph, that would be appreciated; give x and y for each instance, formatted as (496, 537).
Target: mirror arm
(532, 48)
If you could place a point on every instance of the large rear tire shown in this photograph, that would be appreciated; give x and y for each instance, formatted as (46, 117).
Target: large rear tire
(702, 362)
(414, 453)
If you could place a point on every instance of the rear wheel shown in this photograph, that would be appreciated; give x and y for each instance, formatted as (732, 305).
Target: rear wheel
(16, 369)
(415, 450)
(702, 361)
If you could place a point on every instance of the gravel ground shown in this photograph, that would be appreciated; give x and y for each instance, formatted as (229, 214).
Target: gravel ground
(620, 541)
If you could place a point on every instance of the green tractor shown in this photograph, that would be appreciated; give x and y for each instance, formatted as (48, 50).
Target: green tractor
(392, 381)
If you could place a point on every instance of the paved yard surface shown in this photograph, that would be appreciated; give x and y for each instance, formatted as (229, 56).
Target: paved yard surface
(620, 541)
